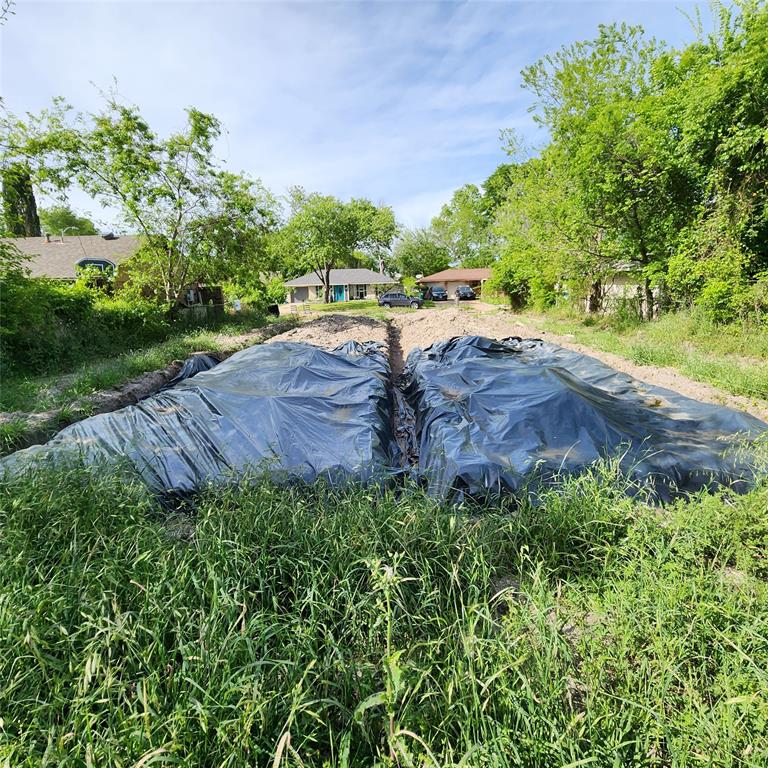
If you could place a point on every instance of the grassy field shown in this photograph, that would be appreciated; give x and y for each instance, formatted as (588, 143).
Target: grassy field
(271, 626)
(20, 392)
(733, 358)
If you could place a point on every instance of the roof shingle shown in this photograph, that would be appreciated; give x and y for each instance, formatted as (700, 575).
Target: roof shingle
(57, 259)
(482, 273)
(343, 277)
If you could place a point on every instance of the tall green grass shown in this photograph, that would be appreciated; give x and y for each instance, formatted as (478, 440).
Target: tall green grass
(25, 392)
(313, 626)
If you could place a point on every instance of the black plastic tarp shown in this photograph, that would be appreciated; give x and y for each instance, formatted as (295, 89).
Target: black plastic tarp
(492, 416)
(193, 365)
(292, 409)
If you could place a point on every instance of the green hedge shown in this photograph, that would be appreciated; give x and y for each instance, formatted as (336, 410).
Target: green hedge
(47, 326)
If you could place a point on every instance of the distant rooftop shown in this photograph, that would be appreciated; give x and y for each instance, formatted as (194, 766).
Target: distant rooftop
(343, 277)
(452, 275)
(57, 259)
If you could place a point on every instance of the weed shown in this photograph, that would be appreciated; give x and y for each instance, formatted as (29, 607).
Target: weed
(363, 626)
(10, 434)
(37, 393)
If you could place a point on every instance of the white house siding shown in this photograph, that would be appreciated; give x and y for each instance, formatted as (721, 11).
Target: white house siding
(351, 292)
(622, 285)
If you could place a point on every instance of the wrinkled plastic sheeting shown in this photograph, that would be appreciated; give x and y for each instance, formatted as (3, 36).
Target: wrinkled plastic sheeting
(193, 365)
(492, 416)
(290, 409)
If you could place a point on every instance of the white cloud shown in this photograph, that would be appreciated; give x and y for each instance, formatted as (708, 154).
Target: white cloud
(418, 210)
(399, 102)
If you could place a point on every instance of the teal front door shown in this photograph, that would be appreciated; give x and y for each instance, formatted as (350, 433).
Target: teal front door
(338, 293)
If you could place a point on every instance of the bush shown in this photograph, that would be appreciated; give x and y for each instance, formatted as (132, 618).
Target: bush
(46, 326)
(257, 296)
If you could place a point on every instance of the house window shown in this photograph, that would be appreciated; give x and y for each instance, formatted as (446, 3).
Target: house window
(102, 264)
(359, 291)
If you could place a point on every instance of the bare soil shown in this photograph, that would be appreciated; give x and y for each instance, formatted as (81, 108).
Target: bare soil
(329, 331)
(420, 329)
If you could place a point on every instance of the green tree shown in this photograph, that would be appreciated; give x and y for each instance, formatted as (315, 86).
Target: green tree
(194, 217)
(419, 252)
(495, 190)
(716, 91)
(462, 226)
(20, 217)
(323, 233)
(547, 244)
(61, 218)
(611, 133)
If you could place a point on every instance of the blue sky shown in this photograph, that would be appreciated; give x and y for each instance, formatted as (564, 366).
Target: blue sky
(400, 102)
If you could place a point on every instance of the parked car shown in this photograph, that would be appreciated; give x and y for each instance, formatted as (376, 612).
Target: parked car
(399, 299)
(465, 293)
(438, 294)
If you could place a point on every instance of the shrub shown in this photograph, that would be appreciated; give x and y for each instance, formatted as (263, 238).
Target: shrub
(47, 326)
(257, 296)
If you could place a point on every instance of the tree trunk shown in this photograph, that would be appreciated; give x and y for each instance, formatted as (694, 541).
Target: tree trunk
(648, 300)
(327, 283)
(595, 299)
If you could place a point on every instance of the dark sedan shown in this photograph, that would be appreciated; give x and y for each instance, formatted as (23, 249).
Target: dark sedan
(399, 299)
(465, 293)
(438, 294)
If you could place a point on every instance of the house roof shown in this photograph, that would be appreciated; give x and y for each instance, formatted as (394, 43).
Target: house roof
(343, 277)
(58, 259)
(465, 275)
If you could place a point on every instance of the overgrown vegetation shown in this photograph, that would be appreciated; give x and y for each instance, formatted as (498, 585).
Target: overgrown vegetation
(657, 160)
(277, 625)
(655, 168)
(23, 391)
(48, 326)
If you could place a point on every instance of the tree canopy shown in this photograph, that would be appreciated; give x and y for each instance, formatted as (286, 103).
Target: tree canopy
(61, 218)
(323, 233)
(198, 222)
(656, 159)
(420, 252)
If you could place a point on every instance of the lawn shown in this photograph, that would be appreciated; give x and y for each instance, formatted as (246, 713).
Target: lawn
(361, 307)
(358, 627)
(733, 358)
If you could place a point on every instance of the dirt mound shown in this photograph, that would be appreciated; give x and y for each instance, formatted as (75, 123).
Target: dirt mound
(420, 329)
(330, 331)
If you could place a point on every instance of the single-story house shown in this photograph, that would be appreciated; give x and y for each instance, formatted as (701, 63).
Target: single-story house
(346, 285)
(624, 281)
(451, 279)
(59, 257)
